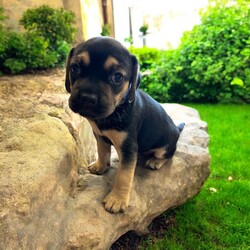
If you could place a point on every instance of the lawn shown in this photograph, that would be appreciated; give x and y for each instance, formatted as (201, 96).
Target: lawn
(219, 217)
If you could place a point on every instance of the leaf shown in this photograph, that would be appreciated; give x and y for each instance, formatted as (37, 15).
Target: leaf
(237, 81)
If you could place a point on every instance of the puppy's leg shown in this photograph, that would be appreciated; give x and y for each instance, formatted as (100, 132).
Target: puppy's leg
(117, 200)
(104, 153)
(160, 158)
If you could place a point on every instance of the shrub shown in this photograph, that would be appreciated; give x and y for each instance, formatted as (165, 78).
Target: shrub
(38, 49)
(105, 30)
(146, 56)
(212, 63)
(14, 50)
(44, 45)
(164, 74)
(62, 51)
(55, 25)
(27, 51)
(216, 53)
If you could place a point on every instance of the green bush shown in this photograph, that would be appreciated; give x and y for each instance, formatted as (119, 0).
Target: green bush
(39, 49)
(146, 56)
(27, 51)
(16, 44)
(35, 49)
(105, 30)
(212, 63)
(55, 25)
(217, 52)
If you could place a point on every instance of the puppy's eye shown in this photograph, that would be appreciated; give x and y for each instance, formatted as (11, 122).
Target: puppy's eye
(117, 78)
(75, 70)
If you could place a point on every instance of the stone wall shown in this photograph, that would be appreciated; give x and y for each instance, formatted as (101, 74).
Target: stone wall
(89, 15)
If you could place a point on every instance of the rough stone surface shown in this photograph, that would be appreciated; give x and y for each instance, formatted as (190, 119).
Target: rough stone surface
(45, 204)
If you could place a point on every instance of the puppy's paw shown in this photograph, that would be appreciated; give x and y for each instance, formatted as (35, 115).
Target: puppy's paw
(113, 203)
(155, 164)
(96, 168)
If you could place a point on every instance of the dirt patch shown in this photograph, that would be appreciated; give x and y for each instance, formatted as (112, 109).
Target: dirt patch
(157, 230)
(23, 96)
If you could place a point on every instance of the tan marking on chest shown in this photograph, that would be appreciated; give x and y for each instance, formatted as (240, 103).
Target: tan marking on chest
(94, 127)
(116, 137)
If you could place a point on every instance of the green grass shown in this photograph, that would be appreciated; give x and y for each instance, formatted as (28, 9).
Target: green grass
(221, 219)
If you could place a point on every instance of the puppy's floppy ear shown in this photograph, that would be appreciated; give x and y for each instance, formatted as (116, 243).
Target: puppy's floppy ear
(135, 79)
(67, 80)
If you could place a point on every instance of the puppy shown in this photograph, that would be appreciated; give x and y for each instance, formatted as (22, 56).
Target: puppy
(102, 78)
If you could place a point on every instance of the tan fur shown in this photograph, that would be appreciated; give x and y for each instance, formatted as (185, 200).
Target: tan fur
(110, 61)
(155, 163)
(94, 127)
(103, 161)
(158, 160)
(160, 152)
(84, 57)
(117, 200)
(108, 94)
(118, 98)
(116, 137)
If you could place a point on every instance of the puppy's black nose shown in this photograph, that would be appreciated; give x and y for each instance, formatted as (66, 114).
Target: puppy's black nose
(88, 99)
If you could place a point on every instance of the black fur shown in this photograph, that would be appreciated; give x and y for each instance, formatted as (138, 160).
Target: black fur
(146, 122)
(102, 78)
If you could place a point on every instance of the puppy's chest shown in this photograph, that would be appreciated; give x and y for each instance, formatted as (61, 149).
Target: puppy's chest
(95, 128)
(110, 136)
(118, 121)
(113, 129)
(104, 131)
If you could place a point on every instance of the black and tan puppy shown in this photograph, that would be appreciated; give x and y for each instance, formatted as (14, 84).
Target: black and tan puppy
(102, 77)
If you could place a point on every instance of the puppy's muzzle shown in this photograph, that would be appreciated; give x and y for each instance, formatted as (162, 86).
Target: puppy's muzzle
(87, 100)
(89, 104)
(84, 103)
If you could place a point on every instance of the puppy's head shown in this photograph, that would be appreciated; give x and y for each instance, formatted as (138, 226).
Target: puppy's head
(100, 75)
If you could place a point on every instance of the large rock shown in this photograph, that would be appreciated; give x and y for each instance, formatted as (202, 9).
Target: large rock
(45, 205)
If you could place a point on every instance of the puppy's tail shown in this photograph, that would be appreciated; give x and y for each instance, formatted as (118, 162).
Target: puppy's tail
(181, 126)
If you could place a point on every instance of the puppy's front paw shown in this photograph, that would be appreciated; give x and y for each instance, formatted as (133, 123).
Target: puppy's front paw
(155, 164)
(96, 168)
(113, 203)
